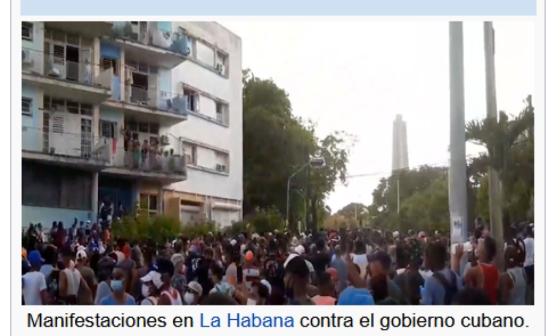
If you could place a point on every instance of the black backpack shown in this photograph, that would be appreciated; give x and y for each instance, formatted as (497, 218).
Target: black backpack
(450, 287)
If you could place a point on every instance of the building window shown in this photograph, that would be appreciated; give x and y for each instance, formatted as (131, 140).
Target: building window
(149, 204)
(222, 162)
(222, 112)
(205, 157)
(27, 31)
(221, 63)
(52, 104)
(107, 129)
(192, 100)
(26, 106)
(190, 153)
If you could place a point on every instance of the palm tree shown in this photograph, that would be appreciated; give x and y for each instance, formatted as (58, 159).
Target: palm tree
(500, 137)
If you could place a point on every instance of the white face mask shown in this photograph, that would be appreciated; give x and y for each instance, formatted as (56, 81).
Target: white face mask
(251, 302)
(189, 298)
(145, 290)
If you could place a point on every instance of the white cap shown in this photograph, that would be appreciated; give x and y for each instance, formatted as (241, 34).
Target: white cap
(196, 287)
(233, 242)
(299, 249)
(120, 256)
(154, 277)
(395, 234)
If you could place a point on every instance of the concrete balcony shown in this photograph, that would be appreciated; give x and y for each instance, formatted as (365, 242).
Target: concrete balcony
(151, 45)
(84, 28)
(151, 105)
(54, 146)
(150, 165)
(57, 76)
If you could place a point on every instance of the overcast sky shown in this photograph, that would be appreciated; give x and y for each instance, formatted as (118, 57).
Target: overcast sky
(356, 75)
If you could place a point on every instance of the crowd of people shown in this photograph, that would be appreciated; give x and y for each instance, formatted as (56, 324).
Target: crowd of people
(84, 265)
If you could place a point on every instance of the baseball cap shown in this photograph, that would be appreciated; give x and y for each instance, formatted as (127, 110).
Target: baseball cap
(153, 277)
(299, 249)
(34, 258)
(195, 287)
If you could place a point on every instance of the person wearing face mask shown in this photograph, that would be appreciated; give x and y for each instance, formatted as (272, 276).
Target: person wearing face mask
(151, 283)
(118, 295)
(193, 293)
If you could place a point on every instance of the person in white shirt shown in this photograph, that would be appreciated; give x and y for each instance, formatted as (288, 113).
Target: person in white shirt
(360, 257)
(529, 247)
(529, 264)
(33, 282)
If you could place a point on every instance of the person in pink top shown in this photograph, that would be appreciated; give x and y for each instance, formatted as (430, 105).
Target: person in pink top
(327, 295)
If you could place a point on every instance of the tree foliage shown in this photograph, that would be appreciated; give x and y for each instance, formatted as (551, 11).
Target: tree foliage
(509, 143)
(275, 144)
(423, 200)
(158, 229)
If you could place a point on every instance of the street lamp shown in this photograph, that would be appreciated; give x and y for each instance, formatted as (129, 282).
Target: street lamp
(315, 163)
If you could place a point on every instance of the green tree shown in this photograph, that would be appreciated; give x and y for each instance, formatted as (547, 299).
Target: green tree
(423, 199)
(275, 144)
(509, 143)
(334, 149)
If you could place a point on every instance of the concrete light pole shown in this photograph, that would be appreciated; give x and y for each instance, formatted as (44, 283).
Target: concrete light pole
(457, 163)
(494, 183)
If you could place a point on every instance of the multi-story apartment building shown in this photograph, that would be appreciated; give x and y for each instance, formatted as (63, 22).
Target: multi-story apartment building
(138, 114)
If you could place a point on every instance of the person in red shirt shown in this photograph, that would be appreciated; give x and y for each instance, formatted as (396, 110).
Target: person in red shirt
(485, 274)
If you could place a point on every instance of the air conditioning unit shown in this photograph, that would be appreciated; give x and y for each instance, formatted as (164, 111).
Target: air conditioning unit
(164, 139)
(221, 167)
(26, 58)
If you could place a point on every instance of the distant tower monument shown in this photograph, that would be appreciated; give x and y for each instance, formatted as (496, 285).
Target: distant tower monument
(400, 146)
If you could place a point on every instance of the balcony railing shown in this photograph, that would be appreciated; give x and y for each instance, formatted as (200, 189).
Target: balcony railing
(105, 151)
(58, 67)
(154, 158)
(157, 99)
(147, 33)
(55, 142)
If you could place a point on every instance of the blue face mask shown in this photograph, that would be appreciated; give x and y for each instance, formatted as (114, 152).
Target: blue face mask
(117, 285)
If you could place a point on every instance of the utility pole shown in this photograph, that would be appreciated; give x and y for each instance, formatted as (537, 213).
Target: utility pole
(457, 165)
(494, 183)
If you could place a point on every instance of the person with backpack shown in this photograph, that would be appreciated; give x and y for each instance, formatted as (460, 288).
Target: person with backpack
(440, 287)
(513, 282)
